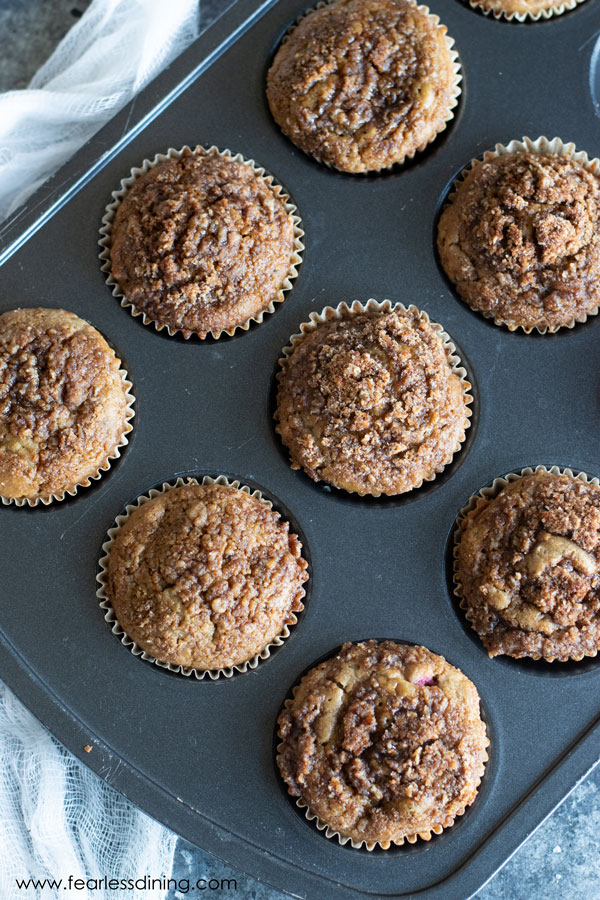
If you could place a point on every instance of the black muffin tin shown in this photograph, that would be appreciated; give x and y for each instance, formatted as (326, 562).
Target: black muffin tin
(199, 755)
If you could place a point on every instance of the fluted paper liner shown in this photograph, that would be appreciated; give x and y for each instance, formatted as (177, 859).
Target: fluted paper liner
(345, 311)
(482, 497)
(105, 241)
(456, 88)
(332, 834)
(531, 16)
(115, 454)
(542, 145)
(109, 613)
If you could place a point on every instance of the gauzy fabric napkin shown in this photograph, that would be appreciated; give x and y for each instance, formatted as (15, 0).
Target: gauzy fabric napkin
(110, 54)
(60, 822)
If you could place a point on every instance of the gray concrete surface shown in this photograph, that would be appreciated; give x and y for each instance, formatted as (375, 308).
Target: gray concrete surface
(30, 30)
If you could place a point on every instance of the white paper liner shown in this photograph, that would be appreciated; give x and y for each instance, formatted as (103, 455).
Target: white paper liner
(332, 834)
(489, 493)
(115, 454)
(557, 10)
(109, 613)
(541, 145)
(109, 215)
(343, 311)
(372, 845)
(456, 89)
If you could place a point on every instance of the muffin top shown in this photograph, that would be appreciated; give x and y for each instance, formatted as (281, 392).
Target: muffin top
(520, 239)
(205, 576)
(202, 243)
(383, 742)
(370, 403)
(63, 405)
(529, 568)
(362, 84)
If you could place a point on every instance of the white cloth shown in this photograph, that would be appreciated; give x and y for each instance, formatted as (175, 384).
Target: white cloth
(109, 55)
(58, 819)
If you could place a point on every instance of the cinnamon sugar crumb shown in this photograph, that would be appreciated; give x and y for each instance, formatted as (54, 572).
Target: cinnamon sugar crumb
(376, 753)
(521, 240)
(529, 568)
(370, 403)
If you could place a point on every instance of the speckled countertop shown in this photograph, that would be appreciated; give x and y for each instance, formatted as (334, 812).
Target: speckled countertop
(562, 859)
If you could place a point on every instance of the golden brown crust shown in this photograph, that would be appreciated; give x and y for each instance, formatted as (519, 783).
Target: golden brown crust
(62, 402)
(362, 84)
(528, 566)
(520, 239)
(205, 576)
(383, 742)
(370, 403)
(201, 243)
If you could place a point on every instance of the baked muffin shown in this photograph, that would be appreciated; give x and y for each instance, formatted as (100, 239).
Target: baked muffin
(63, 404)
(370, 403)
(384, 743)
(202, 243)
(205, 576)
(520, 240)
(363, 84)
(528, 568)
(523, 9)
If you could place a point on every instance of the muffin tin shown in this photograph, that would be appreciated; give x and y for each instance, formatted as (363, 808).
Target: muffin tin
(198, 755)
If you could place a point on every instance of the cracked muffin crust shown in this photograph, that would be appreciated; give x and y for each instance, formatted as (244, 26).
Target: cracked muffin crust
(370, 403)
(384, 743)
(520, 239)
(362, 84)
(202, 243)
(205, 576)
(528, 568)
(63, 403)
